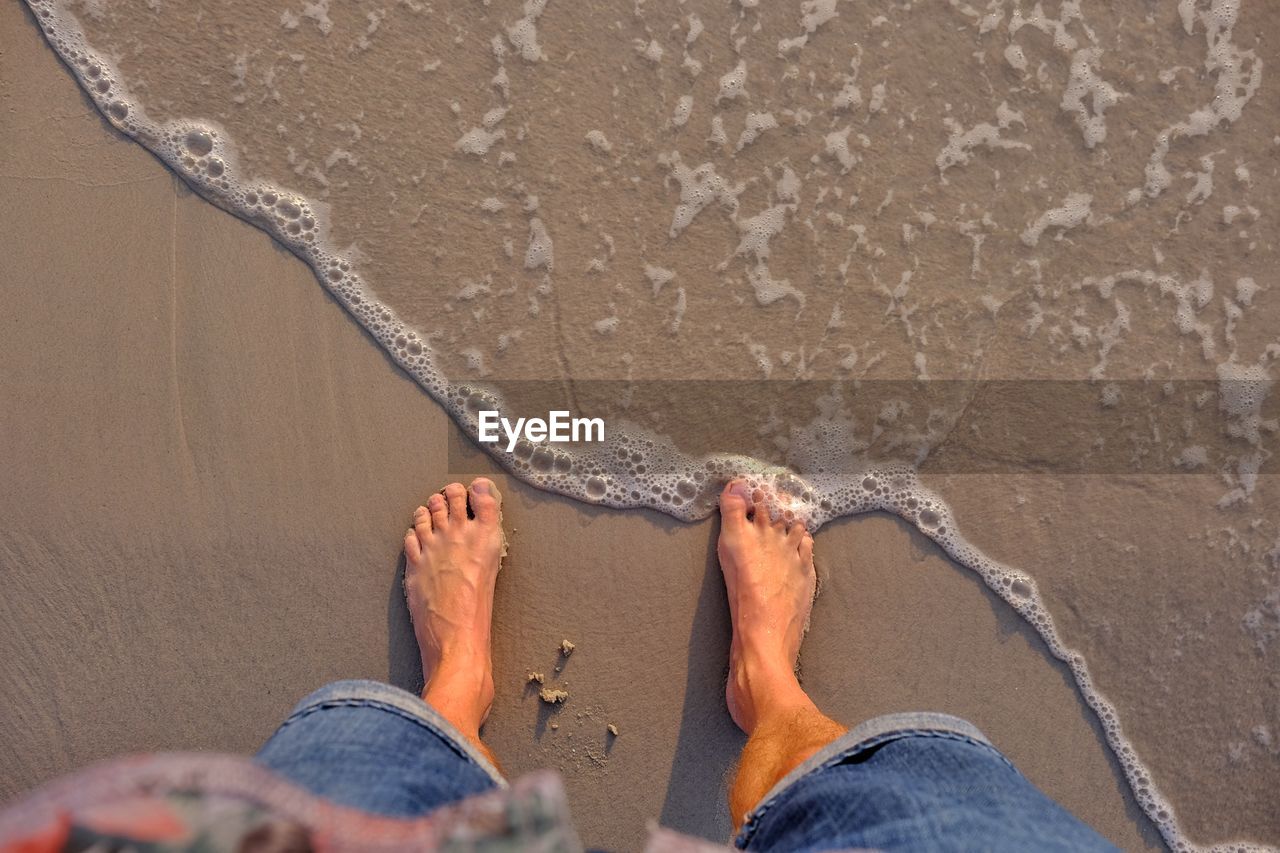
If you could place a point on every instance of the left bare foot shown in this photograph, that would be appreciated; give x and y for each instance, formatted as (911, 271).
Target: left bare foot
(451, 568)
(770, 581)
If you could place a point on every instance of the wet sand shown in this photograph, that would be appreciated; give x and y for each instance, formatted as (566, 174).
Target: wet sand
(202, 514)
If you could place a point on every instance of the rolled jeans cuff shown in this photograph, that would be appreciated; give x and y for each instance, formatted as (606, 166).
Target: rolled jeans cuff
(863, 737)
(365, 693)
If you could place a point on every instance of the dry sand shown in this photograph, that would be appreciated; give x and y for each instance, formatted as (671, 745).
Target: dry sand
(202, 513)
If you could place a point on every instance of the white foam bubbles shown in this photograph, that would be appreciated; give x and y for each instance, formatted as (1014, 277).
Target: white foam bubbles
(753, 127)
(684, 108)
(523, 34)
(960, 144)
(1088, 97)
(644, 469)
(1073, 213)
(598, 141)
(733, 84)
(477, 141)
(540, 253)
(1237, 76)
(699, 187)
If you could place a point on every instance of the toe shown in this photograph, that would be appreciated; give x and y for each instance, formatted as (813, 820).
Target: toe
(806, 548)
(439, 511)
(412, 546)
(735, 502)
(796, 534)
(486, 502)
(455, 494)
(760, 512)
(422, 523)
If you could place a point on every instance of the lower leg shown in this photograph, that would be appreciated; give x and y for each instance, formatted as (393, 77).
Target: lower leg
(785, 736)
(449, 691)
(452, 558)
(770, 581)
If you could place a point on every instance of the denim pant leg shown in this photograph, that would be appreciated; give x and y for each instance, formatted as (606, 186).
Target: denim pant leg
(912, 782)
(378, 748)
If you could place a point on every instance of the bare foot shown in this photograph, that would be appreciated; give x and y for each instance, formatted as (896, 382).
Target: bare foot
(770, 579)
(451, 567)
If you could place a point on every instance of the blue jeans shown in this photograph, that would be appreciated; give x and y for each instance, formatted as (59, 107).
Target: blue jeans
(898, 782)
(912, 782)
(377, 748)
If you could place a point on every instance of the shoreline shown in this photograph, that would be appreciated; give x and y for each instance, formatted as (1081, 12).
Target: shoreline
(204, 428)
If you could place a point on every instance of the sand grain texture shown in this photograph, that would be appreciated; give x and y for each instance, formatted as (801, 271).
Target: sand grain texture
(202, 509)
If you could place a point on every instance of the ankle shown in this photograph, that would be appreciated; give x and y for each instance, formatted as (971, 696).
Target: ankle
(460, 659)
(763, 690)
(779, 700)
(461, 690)
(764, 666)
(464, 706)
(463, 675)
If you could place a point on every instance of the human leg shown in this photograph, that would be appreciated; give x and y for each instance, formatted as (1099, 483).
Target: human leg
(452, 559)
(376, 747)
(770, 581)
(912, 782)
(804, 782)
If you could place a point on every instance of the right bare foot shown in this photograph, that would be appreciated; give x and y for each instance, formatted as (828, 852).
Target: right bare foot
(770, 579)
(451, 567)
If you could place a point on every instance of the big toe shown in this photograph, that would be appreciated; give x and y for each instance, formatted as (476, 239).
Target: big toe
(735, 502)
(486, 501)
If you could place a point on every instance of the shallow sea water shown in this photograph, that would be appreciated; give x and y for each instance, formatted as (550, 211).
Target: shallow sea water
(856, 252)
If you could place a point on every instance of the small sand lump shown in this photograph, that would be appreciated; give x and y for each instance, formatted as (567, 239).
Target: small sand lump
(552, 695)
(613, 730)
(538, 677)
(566, 648)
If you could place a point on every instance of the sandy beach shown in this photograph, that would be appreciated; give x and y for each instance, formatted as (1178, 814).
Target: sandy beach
(203, 507)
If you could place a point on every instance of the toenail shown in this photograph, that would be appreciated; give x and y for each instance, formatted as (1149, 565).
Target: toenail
(436, 500)
(481, 487)
(419, 512)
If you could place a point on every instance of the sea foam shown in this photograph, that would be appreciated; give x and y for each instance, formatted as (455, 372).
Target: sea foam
(821, 185)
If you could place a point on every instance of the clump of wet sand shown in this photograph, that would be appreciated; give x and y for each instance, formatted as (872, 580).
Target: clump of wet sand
(553, 695)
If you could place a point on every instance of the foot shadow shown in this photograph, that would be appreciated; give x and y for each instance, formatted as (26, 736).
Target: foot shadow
(404, 661)
(709, 743)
